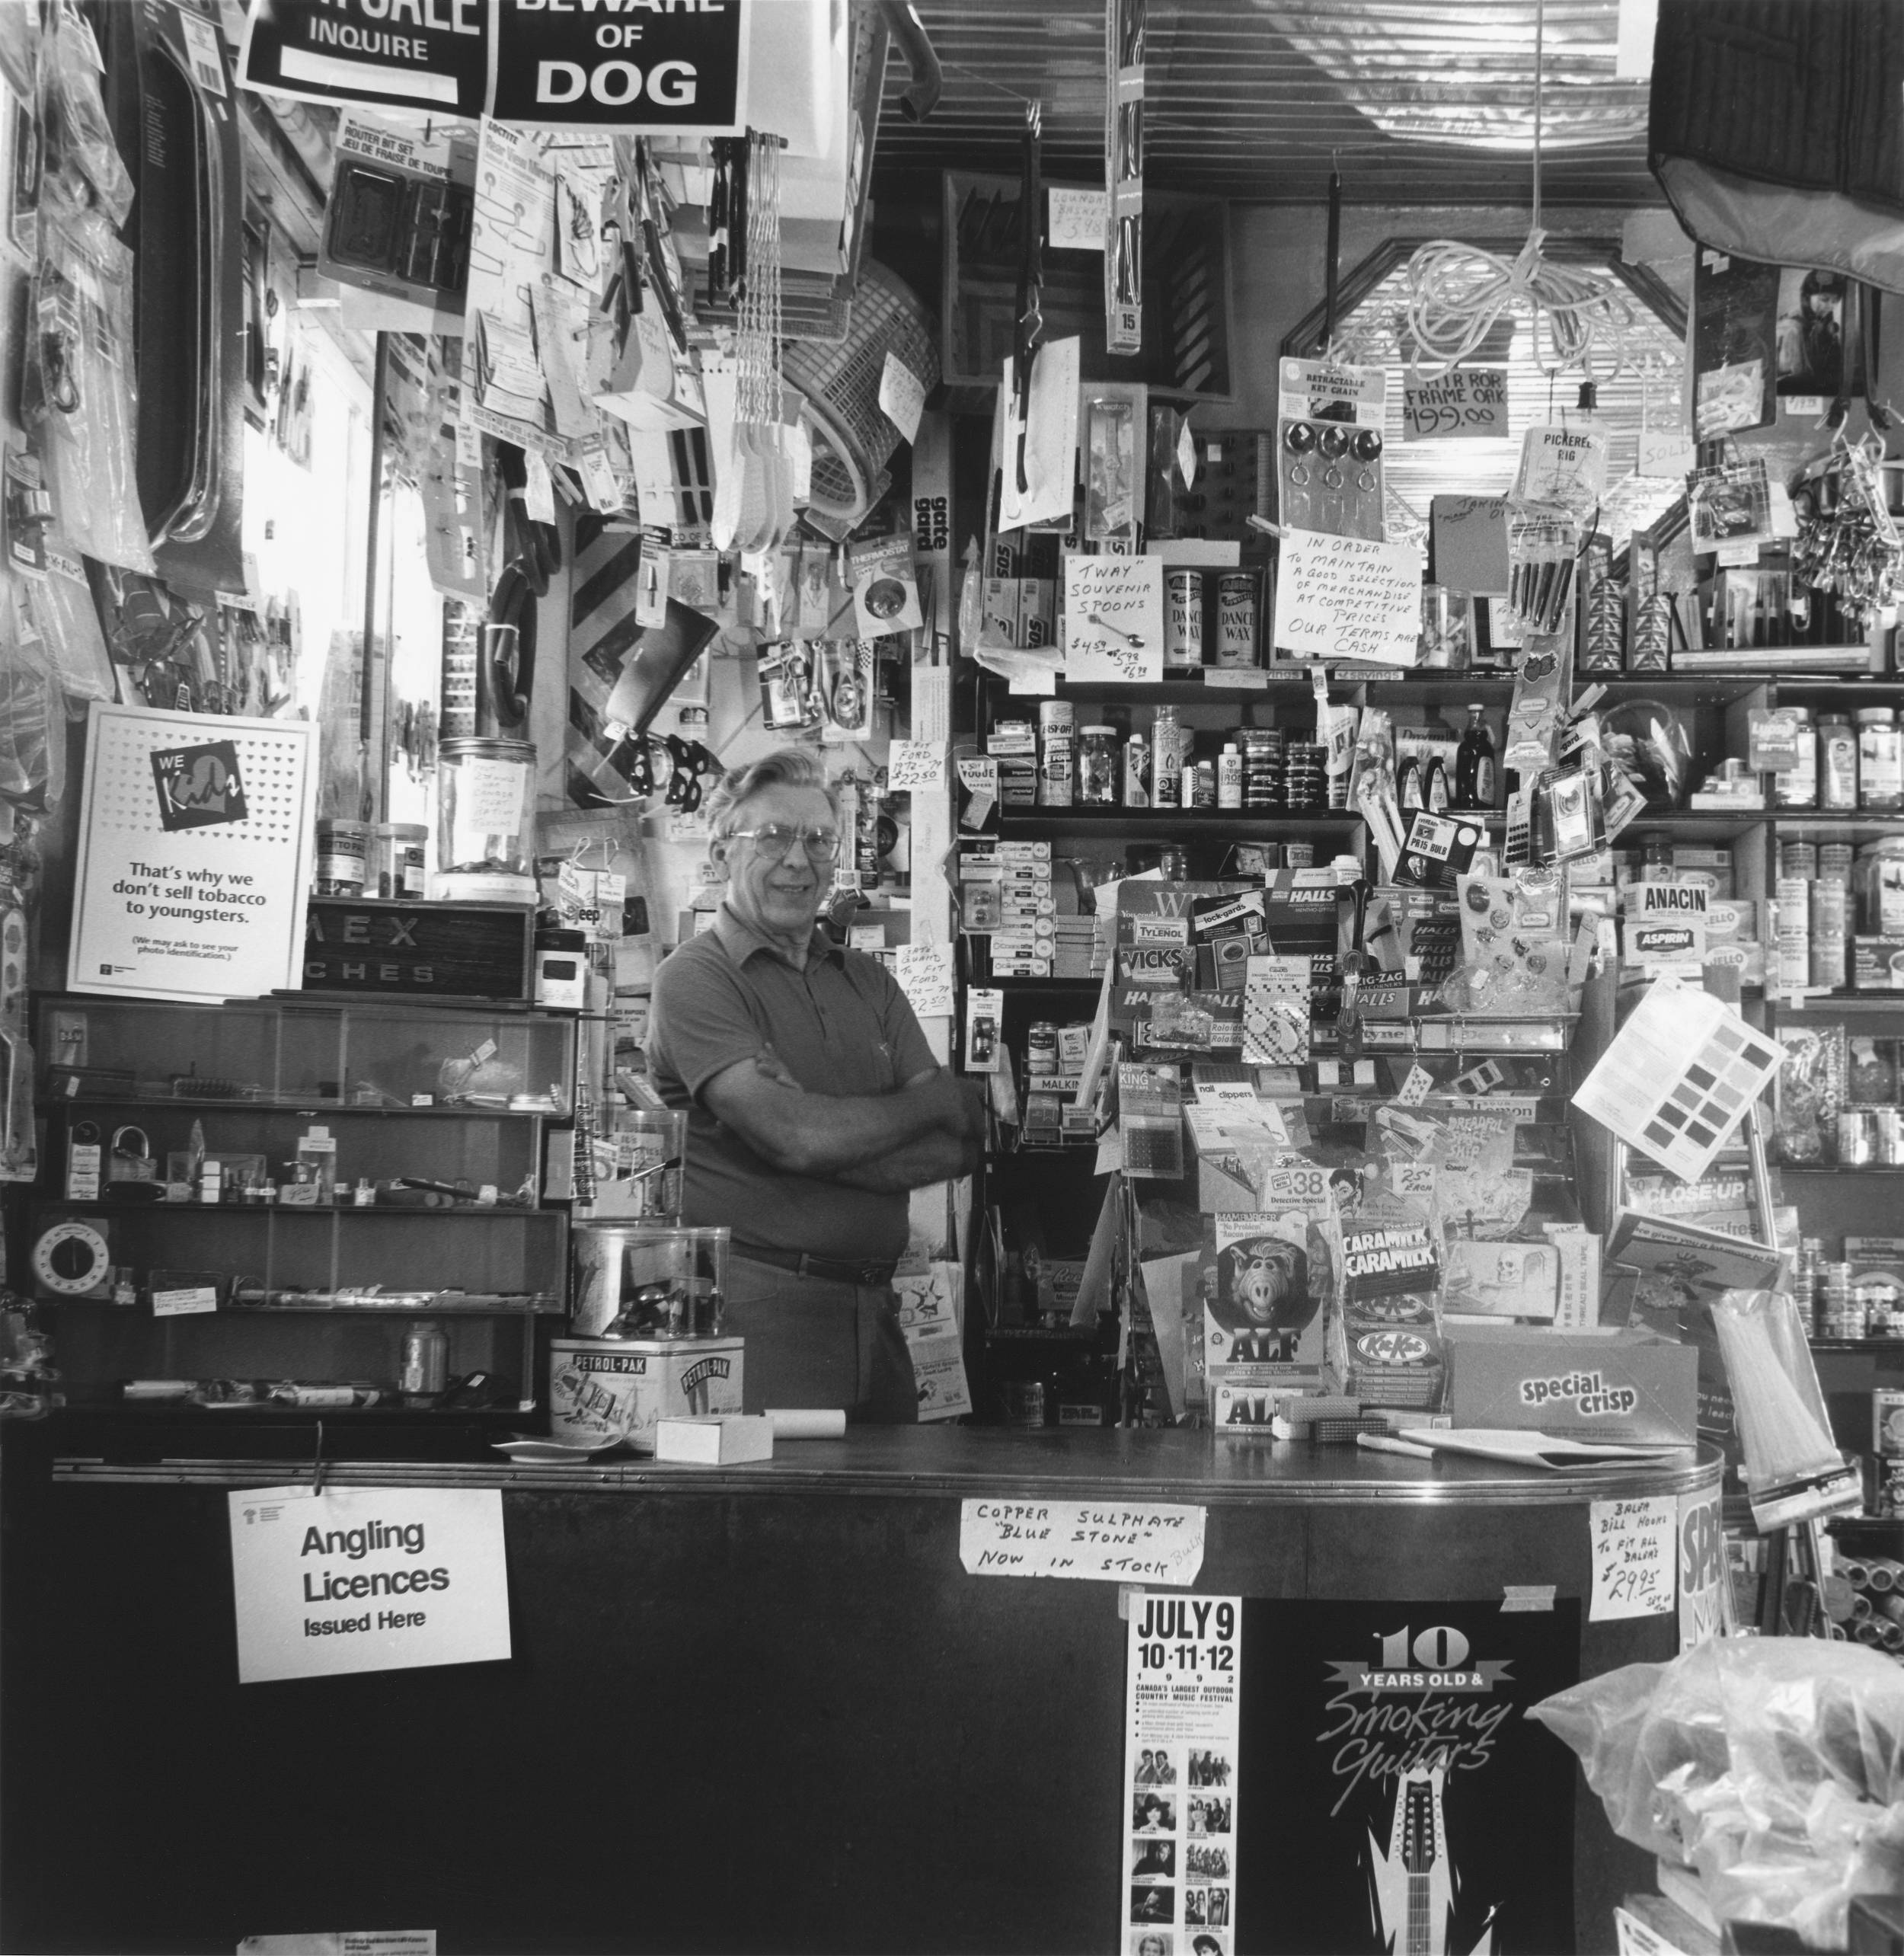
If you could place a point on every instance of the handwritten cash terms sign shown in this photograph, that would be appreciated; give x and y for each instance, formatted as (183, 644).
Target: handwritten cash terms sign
(1085, 1541)
(1344, 597)
(366, 1579)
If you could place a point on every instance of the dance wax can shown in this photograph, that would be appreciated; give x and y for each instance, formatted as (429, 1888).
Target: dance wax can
(1236, 618)
(1184, 618)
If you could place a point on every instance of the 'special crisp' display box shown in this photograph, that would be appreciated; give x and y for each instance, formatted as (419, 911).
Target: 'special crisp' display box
(1612, 1386)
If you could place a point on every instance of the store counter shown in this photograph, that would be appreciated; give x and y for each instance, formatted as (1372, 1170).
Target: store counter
(759, 1707)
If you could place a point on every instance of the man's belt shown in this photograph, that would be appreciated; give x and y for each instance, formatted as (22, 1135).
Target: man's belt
(828, 1268)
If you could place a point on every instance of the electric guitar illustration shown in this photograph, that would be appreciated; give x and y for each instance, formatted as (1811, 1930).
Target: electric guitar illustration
(1414, 1880)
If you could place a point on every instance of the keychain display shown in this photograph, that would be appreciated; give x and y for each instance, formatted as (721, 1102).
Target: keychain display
(1329, 448)
(1111, 481)
(1849, 544)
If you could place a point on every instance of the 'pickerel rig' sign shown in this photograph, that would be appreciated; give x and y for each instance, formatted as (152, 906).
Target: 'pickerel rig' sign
(673, 65)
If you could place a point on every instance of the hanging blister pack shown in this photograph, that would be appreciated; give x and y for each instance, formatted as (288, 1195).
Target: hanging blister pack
(82, 175)
(1541, 550)
(1602, 609)
(1112, 484)
(79, 392)
(1329, 448)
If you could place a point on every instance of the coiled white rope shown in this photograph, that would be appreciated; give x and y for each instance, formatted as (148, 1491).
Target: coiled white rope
(1456, 292)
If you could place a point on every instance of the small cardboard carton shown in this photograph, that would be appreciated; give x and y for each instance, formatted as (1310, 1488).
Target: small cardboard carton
(1614, 1386)
(609, 1391)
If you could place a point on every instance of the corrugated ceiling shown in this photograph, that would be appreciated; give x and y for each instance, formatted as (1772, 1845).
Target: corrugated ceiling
(1418, 101)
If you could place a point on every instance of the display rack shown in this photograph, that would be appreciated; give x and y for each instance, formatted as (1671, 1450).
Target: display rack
(436, 1117)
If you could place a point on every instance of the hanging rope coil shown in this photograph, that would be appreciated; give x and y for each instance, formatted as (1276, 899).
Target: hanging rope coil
(1456, 292)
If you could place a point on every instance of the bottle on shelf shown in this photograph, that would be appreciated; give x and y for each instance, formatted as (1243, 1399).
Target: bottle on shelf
(1435, 796)
(1474, 784)
(1229, 777)
(1408, 784)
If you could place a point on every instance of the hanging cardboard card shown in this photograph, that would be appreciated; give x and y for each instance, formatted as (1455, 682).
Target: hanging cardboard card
(1345, 597)
(1469, 405)
(195, 853)
(885, 589)
(1330, 391)
(1470, 543)
(1113, 617)
(366, 1579)
(1048, 441)
(302, 48)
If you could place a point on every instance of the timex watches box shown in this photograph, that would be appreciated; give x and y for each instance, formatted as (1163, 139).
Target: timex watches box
(1613, 1386)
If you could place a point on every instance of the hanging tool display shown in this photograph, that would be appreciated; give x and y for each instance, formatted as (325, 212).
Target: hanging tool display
(1124, 33)
(1030, 332)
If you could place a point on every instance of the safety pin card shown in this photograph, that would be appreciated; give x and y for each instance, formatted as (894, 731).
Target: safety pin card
(1114, 618)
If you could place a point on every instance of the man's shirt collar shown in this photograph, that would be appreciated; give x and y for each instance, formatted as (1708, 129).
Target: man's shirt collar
(740, 940)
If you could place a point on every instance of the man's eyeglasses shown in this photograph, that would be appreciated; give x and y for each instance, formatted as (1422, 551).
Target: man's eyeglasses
(773, 841)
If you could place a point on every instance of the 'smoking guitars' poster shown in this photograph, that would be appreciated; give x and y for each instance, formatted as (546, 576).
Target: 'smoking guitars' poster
(1393, 1799)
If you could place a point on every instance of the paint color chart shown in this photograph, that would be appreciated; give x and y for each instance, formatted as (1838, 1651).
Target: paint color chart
(1678, 1077)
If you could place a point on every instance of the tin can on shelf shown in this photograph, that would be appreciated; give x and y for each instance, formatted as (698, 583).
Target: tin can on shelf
(1137, 772)
(1183, 619)
(1236, 616)
(1166, 760)
(1797, 861)
(1041, 1047)
(341, 864)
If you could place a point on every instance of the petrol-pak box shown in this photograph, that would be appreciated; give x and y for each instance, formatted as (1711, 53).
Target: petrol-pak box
(608, 1392)
(1611, 1385)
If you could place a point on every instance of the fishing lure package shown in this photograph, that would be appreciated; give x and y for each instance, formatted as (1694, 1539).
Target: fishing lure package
(79, 394)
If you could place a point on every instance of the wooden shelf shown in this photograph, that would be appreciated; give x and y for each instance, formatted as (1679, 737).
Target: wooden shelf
(1170, 824)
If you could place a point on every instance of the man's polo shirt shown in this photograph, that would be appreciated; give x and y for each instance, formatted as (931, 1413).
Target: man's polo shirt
(841, 1026)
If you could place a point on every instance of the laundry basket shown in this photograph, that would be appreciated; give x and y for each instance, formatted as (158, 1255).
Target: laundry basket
(851, 435)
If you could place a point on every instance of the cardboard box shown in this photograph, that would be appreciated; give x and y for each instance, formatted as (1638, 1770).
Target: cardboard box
(1607, 1386)
(1502, 1279)
(1877, 964)
(719, 1440)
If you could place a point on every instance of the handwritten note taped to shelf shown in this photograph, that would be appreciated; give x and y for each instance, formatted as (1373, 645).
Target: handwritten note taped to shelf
(188, 1303)
(1635, 1558)
(914, 767)
(924, 973)
(1077, 219)
(1345, 597)
(902, 398)
(1157, 1542)
(1469, 405)
(1114, 618)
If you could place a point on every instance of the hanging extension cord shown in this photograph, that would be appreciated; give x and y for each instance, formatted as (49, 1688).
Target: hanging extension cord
(1456, 292)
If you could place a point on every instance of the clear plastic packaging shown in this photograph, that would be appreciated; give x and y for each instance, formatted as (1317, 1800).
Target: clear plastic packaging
(1774, 1767)
(78, 393)
(81, 173)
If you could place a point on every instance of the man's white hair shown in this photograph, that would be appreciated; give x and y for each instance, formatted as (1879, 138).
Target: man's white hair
(785, 767)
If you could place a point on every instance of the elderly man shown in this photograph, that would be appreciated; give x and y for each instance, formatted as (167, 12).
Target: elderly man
(814, 1105)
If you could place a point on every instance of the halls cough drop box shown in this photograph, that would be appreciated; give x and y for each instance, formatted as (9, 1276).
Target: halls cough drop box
(606, 1391)
(1612, 1386)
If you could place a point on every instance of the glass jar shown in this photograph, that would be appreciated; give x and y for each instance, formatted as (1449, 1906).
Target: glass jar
(485, 821)
(1837, 764)
(1880, 759)
(1797, 788)
(1097, 767)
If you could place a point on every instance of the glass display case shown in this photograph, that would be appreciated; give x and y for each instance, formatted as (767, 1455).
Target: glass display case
(276, 1194)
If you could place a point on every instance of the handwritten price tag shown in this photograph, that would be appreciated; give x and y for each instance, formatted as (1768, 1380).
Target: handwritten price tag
(914, 767)
(902, 398)
(1635, 1558)
(1113, 617)
(184, 1303)
(1469, 405)
(1077, 219)
(924, 973)
(1083, 1541)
